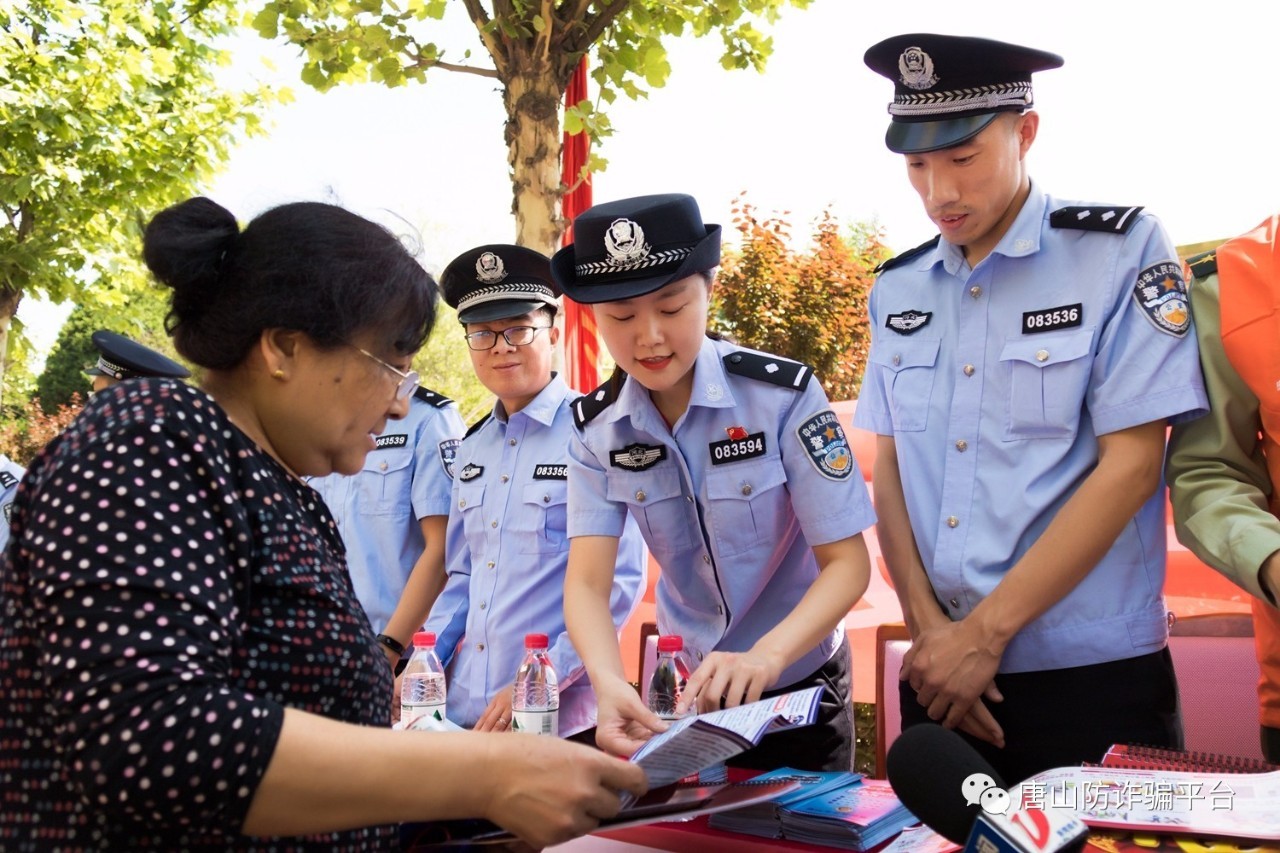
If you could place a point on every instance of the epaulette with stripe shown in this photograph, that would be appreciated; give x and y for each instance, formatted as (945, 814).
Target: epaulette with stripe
(907, 255)
(586, 407)
(428, 396)
(1115, 220)
(769, 368)
(1204, 264)
(475, 427)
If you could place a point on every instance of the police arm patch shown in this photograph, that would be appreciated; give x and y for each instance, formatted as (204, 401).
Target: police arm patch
(448, 453)
(824, 442)
(1161, 293)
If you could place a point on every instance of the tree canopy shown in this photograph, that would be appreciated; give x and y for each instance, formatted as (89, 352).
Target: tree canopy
(111, 109)
(533, 48)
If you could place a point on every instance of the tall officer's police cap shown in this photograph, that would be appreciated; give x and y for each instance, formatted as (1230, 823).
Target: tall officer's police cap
(627, 248)
(498, 281)
(946, 89)
(122, 358)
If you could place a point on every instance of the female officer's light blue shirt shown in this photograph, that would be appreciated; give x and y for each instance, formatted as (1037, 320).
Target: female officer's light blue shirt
(995, 383)
(757, 471)
(407, 478)
(506, 556)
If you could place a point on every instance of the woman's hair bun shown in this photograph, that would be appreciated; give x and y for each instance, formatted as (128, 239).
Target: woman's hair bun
(184, 247)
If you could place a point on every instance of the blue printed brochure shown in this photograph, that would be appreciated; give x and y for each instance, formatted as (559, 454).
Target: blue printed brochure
(765, 819)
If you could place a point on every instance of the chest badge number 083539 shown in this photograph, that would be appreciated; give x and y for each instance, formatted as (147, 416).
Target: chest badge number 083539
(733, 449)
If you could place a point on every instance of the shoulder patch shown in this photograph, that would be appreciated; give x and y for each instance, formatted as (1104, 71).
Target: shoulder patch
(907, 255)
(1161, 295)
(768, 368)
(448, 455)
(428, 396)
(1116, 220)
(588, 406)
(824, 441)
(1204, 264)
(475, 427)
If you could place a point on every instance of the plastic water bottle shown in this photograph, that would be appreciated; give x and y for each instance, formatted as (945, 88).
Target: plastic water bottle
(535, 700)
(422, 687)
(669, 676)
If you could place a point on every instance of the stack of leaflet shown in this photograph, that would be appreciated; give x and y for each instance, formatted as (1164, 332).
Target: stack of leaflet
(856, 817)
(764, 819)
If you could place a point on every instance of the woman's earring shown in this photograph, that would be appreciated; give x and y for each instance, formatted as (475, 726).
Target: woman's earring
(279, 374)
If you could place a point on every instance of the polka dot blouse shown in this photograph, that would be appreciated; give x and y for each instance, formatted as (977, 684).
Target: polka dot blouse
(167, 591)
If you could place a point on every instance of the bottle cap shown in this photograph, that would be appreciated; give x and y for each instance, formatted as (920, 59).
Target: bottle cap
(535, 641)
(424, 638)
(670, 643)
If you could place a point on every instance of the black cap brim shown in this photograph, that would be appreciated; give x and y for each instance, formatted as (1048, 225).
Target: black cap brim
(705, 256)
(920, 137)
(501, 310)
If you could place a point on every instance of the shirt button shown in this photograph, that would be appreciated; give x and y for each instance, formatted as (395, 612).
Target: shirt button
(505, 478)
(736, 358)
(699, 654)
(955, 602)
(968, 370)
(640, 495)
(689, 498)
(962, 445)
(491, 564)
(975, 291)
(706, 559)
(382, 467)
(495, 524)
(546, 499)
(719, 610)
(462, 503)
(483, 605)
(1042, 355)
(897, 359)
(952, 521)
(746, 488)
(511, 441)
(479, 647)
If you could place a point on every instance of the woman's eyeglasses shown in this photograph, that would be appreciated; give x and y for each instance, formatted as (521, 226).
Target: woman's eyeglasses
(408, 381)
(516, 336)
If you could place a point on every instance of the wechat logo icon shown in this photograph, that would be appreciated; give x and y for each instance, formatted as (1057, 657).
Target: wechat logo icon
(979, 789)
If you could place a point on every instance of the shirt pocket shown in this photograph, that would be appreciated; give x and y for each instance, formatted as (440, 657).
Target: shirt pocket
(657, 502)
(386, 483)
(471, 507)
(910, 370)
(543, 511)
(1048, 377)
(748, 505)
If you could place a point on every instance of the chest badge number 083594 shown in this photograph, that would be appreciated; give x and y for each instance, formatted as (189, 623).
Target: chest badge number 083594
(733, 449)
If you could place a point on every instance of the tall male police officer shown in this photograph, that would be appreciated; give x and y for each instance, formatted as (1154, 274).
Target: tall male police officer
(1023, 368)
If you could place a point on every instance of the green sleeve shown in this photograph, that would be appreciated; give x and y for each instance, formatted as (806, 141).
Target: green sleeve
(1218, 479)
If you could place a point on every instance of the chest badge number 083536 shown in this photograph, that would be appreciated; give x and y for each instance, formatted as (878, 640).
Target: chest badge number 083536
(733, 449)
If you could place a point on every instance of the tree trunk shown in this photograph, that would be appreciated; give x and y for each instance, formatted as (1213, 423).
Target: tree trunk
(9, 299)
(532, 99)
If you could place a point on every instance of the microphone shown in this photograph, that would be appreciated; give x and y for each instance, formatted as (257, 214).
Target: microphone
(952, 789)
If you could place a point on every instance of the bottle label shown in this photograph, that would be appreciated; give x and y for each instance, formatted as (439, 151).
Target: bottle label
(536, 722)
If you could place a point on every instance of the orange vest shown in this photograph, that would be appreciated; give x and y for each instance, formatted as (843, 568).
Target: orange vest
(1249, 291)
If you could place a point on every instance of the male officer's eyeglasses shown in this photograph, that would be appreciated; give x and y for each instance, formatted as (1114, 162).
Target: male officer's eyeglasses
(516, 336)
(408, 381)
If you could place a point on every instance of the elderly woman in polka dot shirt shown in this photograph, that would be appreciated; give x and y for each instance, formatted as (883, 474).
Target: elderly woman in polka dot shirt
(183, 662)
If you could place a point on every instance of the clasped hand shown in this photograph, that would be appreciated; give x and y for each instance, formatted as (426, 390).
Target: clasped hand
(952, 670)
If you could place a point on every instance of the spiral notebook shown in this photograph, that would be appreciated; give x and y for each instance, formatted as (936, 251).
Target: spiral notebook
(1142, 757)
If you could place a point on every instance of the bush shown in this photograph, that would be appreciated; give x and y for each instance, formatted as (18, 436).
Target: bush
(807, 306)
(22, 437)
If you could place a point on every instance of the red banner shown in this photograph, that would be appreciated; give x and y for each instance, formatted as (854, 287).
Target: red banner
(581, 344)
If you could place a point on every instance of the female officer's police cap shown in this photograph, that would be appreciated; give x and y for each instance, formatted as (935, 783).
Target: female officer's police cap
(123, 358)
(946, 89)
(627, 248)
(498, 281)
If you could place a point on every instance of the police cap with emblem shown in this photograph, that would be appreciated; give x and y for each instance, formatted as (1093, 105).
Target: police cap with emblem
(122, 358)
(946, 89)
(498, 281)
(627, 248)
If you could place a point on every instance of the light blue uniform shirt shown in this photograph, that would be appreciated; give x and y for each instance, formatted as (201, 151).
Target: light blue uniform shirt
(731, 521)
(11, 474)
(507, 554)
(995, 383)
(378, 510)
